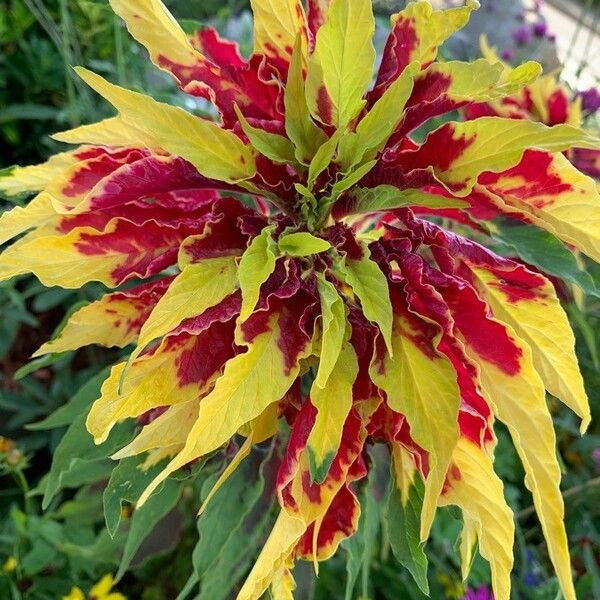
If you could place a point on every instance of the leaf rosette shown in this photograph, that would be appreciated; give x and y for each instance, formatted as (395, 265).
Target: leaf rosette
(279, 275)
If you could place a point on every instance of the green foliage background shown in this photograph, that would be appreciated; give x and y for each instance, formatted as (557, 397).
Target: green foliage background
(56, 485)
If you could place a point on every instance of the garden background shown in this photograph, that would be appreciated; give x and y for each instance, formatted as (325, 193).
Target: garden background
(45, 553)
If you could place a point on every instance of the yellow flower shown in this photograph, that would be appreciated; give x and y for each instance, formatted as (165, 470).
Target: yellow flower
(74, 594)
(6, 444)
(100, 591)
(10, 565)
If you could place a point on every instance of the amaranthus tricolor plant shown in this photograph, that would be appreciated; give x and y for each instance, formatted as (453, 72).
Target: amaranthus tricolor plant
(285, 286)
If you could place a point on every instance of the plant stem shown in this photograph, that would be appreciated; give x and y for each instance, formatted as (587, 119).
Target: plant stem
(22, 481)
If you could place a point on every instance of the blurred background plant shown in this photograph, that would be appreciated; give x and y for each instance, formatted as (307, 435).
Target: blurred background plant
(54, 540)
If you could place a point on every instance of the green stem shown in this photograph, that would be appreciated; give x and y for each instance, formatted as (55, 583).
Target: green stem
(22, 481)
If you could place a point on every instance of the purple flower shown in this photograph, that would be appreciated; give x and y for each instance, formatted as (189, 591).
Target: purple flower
(522, 35)
(590, 100)
(481, 593)
(596, 455)
(540, 29)
(508, 54)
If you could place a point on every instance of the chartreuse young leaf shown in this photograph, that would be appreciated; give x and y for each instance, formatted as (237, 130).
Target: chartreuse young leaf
(519, 401)
(306, 136)
(420, 384)
(323, 157)
(541, 322)
(333, 403)
(403, 520)
(544, 250)
(302, 243)
(370, 285)
(341, 66)
(375, 128)
(256, 265)
(249, 384)
(333, 329)
(216, 152)
(479, 493)
(388, 197)
(198, 287)
(272, 145)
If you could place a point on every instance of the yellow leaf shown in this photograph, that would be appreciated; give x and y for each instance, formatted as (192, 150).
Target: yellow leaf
(151, 24)
(36, 177)
(114, 131)
(543, 324)
(494, 144)
(333, 404)
(432, 27)
(110, 321)
(249, 384)
(216, 152)
(568, 206)
(479, 493)
(277, 24)
(152, 381)
(261, 429)
(341, 66)
(167, 432)
(423, 387)
(197, 288)
(276, 551)
(37, 212)
(519, 401)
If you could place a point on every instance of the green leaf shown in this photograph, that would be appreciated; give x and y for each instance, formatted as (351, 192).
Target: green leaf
(232, 527)
(323, 157)
(388, 197)
(333, 327)
(404, 526)
(302, 243)
(256, 265)
(77, 452)
(272, 145)
(126, 484)
(542, 249)
(145, 519)
(75, 407)
(360, 546)
(370, 285)
(378, 124)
